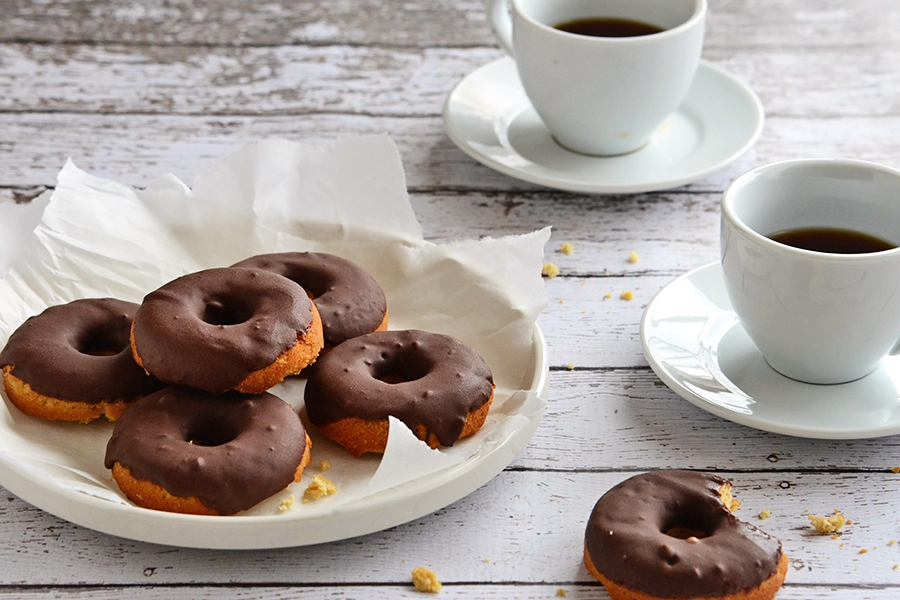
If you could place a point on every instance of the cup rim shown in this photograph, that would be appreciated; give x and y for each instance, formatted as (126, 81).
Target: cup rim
(728, 213)
(700, 9)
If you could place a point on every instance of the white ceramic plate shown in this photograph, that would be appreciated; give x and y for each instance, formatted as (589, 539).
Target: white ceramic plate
(696, 345)
(489, 117)
(32, 479)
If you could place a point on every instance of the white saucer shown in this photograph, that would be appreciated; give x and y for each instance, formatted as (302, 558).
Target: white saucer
(695, 344)
(489, 117)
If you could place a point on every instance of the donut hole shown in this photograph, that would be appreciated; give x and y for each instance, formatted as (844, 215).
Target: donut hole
(227, 311)
(100, 342)
(687, 526)
(316, 280)
(211, 433)
(399, 369)
(683, 532)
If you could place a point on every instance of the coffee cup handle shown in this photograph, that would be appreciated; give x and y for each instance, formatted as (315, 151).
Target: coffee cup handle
(501, 23)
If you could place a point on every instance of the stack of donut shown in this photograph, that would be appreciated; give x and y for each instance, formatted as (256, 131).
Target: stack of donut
(193, 361)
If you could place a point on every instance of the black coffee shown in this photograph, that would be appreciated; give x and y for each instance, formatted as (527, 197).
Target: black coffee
(833, 240)
(608, 27)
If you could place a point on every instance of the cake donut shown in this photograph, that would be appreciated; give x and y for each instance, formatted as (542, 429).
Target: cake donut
(183, 450)
(226, 328)
(350, 301)
(441, 388)
(672, 534)
(73, 362)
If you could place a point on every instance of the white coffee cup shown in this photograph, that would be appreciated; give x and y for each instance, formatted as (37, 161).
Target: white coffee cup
(818, 317)
(602, 95)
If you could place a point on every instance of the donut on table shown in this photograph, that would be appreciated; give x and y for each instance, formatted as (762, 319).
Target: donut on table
(350, 301)
(186, 451)
(73, 362)
(227, 328)
(439, 387)
(672, 534)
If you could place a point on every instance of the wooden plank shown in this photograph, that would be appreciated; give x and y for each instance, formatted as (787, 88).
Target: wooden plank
(135, 149)
(667, 232)
(234, 22)
(498, 591)
(757, 23)
(613, 419)
(585, 328)
(118, 78)
(232, 81)
(529, 525)
(676, 229)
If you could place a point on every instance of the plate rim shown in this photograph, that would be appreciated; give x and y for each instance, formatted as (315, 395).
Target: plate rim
(452, 131)
(736, 417)
(389, 508)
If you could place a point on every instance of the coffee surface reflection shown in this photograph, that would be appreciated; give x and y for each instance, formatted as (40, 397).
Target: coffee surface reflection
(608, 27)
(832, 240)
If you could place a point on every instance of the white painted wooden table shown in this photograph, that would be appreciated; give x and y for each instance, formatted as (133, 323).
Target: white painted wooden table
(135, 90)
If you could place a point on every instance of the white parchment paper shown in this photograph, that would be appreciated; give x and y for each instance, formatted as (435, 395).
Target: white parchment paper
(92, 237)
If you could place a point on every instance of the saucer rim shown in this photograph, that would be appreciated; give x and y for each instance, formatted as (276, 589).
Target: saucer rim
(655, 184)
(756, 422)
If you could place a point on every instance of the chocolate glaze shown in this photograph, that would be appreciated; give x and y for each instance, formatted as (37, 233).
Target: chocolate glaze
(349, 300)
(230, 451)
(79, 352)
(212, 328)
(626, 539)
(444, 380)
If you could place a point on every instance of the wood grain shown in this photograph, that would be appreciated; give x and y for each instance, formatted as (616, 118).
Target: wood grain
(135, 149)
(608, 419)
(579, 591)
(131, 91)
(117, 78)
(801, 24)
(530, 528)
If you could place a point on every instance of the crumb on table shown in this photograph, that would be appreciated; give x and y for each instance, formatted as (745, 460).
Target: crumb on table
(319, 488)
(561, 593)
(426, 580)
(627, 295)
(566, 248)
(550, 270)
(633, 257)
(765, 513)
(828, 524)
(324, 465)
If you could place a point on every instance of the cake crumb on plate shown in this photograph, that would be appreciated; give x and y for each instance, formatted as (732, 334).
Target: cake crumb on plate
(319, 488)
(286, 503)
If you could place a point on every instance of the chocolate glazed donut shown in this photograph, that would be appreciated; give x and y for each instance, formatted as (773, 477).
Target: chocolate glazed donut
(227, 328)
(350, 301)
(73, 362)
(182, 450)
(671, 534)
(441, 388)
